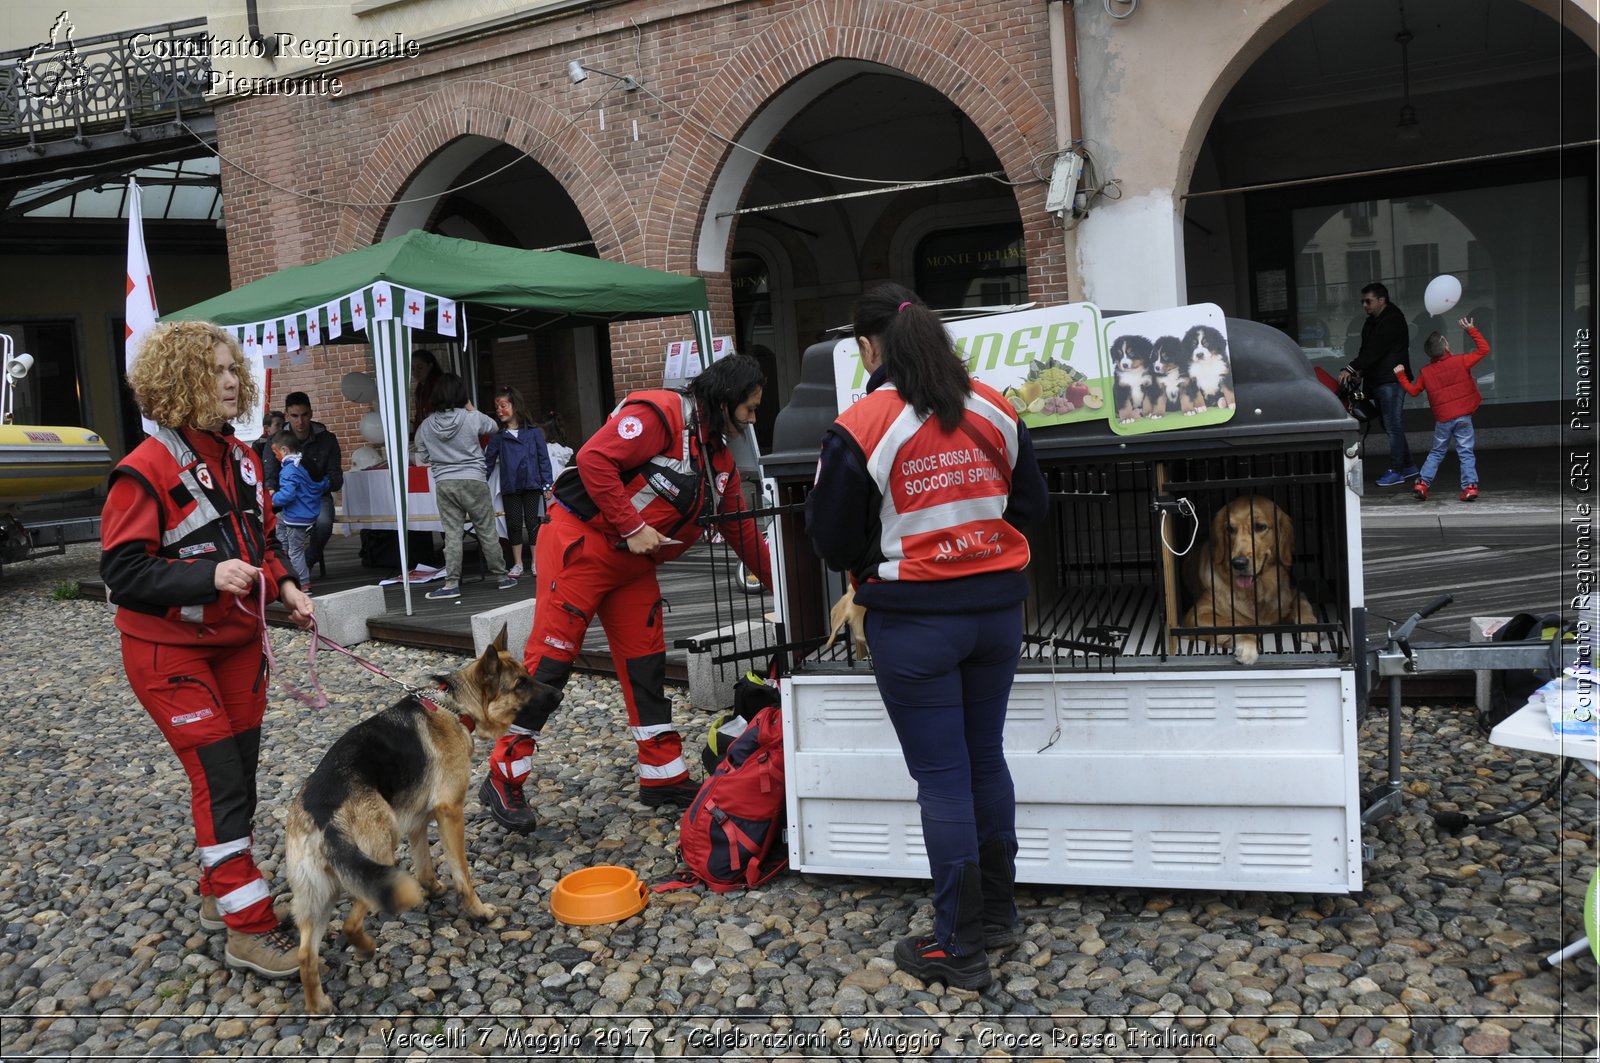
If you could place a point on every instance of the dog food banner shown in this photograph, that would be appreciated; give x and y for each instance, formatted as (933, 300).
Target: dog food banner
(1168, 369)
(1048, 362)
(1149, 372)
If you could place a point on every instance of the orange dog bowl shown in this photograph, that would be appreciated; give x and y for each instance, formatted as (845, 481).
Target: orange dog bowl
(604, 894)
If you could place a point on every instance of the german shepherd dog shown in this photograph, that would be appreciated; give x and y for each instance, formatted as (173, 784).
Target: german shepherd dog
(1132, 382)
(1170, 368)
(385, 779)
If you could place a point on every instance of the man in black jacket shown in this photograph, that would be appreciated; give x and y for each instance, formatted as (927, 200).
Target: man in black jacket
(319, 456)
(1385, 343)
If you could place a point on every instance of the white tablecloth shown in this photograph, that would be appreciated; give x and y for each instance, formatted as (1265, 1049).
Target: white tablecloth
(369, 501)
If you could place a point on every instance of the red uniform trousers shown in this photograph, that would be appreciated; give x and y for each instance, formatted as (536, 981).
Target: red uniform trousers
(208, 702)
(583, 574)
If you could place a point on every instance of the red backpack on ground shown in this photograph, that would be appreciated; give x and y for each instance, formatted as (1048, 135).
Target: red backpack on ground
(731, 836)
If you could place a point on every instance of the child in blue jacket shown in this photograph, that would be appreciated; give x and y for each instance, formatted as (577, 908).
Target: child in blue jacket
(519, 449)
(298, 500)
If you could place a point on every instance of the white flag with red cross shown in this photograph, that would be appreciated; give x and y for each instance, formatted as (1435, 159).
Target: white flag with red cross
(382, 302)
(413, 310)
(446, 323)
(139, 312)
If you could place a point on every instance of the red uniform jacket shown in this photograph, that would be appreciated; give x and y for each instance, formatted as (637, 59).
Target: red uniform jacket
(653, 463)
(179, 504)
(1448, 379)
(944, 493)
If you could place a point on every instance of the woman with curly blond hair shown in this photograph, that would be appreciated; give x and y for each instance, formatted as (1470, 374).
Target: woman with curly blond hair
(186, 533)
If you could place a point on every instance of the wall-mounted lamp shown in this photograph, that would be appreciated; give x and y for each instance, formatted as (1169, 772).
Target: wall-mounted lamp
(578, 72)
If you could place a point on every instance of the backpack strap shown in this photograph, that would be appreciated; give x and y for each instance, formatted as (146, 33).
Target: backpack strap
(686, 880)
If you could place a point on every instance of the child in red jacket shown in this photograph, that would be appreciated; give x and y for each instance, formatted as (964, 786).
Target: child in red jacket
(1454, 396)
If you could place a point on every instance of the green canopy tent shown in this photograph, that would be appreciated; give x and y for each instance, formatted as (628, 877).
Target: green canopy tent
(422, 282)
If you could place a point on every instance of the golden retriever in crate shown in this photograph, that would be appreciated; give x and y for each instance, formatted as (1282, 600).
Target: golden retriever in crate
(1239, 577)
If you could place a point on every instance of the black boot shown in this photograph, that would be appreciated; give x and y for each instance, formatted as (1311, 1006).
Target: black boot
(961, 962)
(997, 861)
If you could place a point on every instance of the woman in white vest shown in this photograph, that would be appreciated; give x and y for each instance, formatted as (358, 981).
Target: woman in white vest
(921, 488)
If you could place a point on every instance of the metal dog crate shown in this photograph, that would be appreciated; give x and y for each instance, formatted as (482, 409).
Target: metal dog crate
(1143, 753)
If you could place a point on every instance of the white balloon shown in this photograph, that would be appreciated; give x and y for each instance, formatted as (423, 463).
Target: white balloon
(358, 387)
(372, 427)
(365, 458)
(1444, 291)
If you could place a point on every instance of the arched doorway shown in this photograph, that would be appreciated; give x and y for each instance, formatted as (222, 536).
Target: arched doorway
(1388, 143)
(479, 188)
(864, 174)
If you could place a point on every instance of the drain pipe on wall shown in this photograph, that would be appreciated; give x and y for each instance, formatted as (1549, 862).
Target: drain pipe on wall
(1064, 72)
(269, 45)
(1062, 198)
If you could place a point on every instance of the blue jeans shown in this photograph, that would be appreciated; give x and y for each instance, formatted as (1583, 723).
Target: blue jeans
(1391, 401)
(1458, 431)
(295, 538)
(945, 680)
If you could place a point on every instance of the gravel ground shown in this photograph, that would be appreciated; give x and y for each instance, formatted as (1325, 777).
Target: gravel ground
(102, 955)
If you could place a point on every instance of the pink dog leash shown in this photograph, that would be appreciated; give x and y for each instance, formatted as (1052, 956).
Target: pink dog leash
(319, 700)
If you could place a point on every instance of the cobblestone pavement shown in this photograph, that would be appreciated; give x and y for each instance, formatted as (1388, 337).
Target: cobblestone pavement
(102, 955)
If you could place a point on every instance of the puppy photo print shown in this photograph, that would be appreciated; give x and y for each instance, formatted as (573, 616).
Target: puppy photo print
(1168, 369)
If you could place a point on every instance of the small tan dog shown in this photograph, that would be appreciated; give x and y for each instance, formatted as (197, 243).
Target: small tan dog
(847, 614)
(1240, 576)
(385, 779)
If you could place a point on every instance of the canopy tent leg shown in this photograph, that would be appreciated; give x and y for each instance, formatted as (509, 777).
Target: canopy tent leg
(391, 356)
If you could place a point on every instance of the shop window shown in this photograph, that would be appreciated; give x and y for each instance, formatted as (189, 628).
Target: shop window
(1421, 264)
(981, 266)
(1515, 287)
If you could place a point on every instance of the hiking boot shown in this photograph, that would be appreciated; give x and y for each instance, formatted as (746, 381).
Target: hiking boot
(1419, 491)
(507, 805)
(674, 794)
(273, 954)
(1469, 493)
(211, 915)
(442, 593)
(1395, 477)
(924, 959)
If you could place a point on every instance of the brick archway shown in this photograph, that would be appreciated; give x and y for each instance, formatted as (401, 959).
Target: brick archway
(1018, 125)
(515, 118)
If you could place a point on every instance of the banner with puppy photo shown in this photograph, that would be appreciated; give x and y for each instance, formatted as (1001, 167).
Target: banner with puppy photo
(1046, 361)
(1168, 369)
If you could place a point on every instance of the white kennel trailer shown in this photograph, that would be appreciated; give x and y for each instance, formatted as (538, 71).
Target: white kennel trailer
(1142, 756)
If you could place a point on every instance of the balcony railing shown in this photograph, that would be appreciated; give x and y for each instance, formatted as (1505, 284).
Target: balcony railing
(64, 87)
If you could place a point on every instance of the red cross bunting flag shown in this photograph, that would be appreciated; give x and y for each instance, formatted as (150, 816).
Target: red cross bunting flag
(335, 323)
(413, 303)
(313, 328)
(445, 325)
(358, 313)
(291, 335)
(382, 302)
